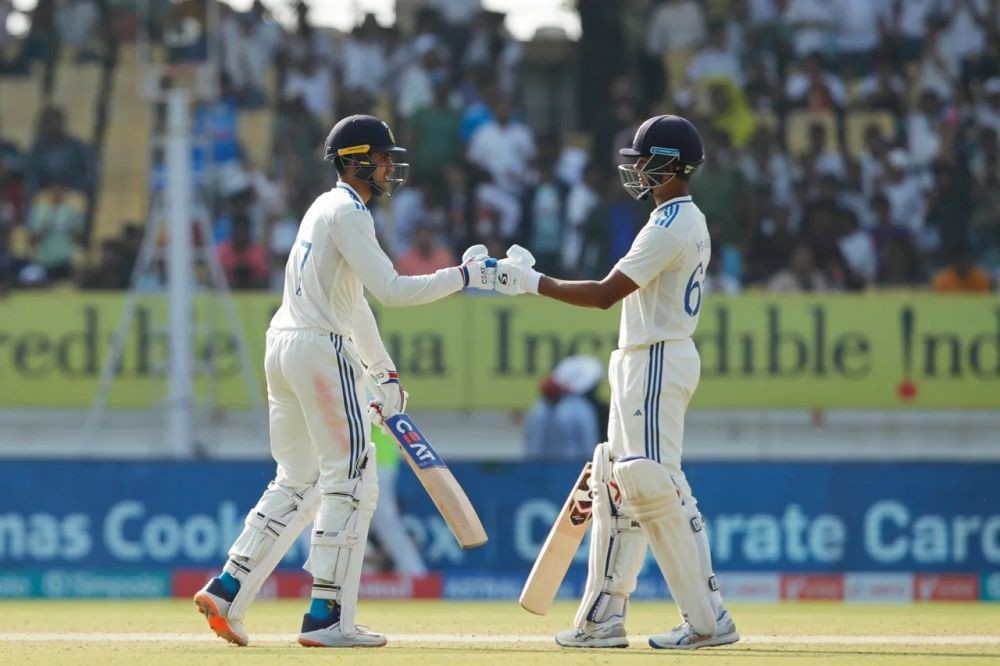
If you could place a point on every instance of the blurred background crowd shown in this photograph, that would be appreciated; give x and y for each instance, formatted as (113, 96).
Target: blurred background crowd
(850, 144)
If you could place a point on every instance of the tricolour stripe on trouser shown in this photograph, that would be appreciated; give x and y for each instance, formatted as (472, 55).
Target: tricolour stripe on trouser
(355, 423)
(654, 383)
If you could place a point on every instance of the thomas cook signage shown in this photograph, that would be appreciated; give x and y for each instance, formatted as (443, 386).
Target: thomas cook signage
(876, 350)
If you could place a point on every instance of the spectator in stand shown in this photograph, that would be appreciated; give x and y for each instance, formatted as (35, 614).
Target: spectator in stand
(56, 228)
(770, 246)
(907, 22)
(962, 274)
(57, 158)
(873, 159)
(949, 206)
(503, 147)
(296, 136)
(858, 250)
(761, 87)
(894, 247)
(544, 207)
(435, 139)
(801, 275)
(248, 48)
(730, 112)
(720, 190)
(426, 254)
(988, 110)
(860, 25)
(883, 89)
(924, 129)
(815, 88)
(583, 197)
(819, 159)
(311, 80)
(428, 69)
(905, 192)
(363, 58)
(456, 24)
(611, 227)
(245, 263)
(490, 44)
(765, 165)
(676, 29)
(941, 64)
(812, 23)
(716, 58)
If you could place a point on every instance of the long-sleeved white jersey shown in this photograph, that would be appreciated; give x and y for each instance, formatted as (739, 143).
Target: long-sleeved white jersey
(335, 258)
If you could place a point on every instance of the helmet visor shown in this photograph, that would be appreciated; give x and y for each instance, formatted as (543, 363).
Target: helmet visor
(396, 178)
(638, 180)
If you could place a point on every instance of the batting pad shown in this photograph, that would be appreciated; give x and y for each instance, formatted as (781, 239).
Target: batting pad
(339, 539)
(617, 549)
(650, 496)
(269, 531)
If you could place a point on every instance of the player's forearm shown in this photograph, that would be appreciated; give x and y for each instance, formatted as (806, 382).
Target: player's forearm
(585, 293)
(397, 290)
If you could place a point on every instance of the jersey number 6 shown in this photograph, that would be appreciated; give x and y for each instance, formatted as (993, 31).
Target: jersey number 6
(694, 289)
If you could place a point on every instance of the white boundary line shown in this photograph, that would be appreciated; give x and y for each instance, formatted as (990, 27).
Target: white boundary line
(486, 639)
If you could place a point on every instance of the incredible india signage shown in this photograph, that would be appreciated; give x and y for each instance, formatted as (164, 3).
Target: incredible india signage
(848, 351)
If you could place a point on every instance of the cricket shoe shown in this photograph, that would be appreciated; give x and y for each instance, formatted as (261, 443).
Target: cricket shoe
(610, 634)
(683, 637)
(213, 602)
(320, 633)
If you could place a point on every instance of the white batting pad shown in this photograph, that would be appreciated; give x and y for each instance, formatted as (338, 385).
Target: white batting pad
(650, 495)
(269, 531)
(339, 539)
(617, 549)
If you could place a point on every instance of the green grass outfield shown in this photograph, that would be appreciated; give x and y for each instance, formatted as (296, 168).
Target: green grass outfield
(88, 633)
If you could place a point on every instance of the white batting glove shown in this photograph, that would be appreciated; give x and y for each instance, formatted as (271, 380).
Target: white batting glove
(478, 268)
(515, 274)
(390, 398)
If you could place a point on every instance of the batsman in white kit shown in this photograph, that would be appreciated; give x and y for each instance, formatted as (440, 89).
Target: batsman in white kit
(639, 492)
(323, 347)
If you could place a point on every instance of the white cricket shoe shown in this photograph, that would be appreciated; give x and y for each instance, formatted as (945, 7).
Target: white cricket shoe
(683, 637)
(609, 634)
(213, 602)
(316, 634)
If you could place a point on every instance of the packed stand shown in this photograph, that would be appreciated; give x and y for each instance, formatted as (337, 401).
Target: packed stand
(850, 144)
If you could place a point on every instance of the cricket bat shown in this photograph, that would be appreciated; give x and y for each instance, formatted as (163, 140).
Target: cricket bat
(559, 549)
(438, 481)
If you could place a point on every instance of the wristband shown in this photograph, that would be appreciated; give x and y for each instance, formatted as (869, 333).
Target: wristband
(531, 280)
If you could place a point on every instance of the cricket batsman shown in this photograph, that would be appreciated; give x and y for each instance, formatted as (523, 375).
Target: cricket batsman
(322, 347)
(640, 494)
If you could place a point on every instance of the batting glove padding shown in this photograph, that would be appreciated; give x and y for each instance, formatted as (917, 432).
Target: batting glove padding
(390, 399)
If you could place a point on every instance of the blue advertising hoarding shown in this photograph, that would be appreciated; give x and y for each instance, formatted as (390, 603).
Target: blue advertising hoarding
(761, 516)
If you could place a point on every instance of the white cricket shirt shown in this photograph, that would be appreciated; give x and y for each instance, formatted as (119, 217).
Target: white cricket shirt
(334, 259)
(668, 260)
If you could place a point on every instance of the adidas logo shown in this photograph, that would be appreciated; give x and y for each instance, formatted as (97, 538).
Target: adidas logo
(638, 412)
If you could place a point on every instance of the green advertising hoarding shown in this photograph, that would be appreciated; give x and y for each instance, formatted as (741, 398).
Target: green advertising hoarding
(833, 351)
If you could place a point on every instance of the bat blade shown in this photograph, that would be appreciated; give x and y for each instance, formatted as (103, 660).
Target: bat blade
(444, 490)
(560, 547)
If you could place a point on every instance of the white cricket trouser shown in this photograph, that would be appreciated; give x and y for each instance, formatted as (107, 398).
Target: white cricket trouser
(315, 394)
(650, 391)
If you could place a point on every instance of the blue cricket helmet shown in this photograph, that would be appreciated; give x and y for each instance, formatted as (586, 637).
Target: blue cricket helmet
(352, 141)
(673, 148)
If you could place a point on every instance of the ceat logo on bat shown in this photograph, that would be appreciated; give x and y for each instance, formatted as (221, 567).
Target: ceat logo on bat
(413, 442)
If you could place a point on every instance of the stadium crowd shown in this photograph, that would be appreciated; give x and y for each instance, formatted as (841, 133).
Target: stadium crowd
(850, 144)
